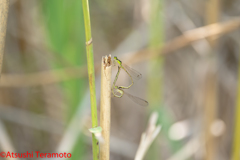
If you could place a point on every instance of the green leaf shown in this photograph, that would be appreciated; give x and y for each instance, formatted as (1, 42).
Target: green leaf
(96, 130)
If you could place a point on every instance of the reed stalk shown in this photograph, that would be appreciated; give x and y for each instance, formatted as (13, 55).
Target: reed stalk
(210, 90)
(91, 75)
(210, 110)
(105, 105)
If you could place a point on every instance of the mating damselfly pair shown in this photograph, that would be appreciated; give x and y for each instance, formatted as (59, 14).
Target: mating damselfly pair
(118, 91)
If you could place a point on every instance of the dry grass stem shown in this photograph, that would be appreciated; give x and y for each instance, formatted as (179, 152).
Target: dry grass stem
(188, 37)
(148, 136)
(105, 105)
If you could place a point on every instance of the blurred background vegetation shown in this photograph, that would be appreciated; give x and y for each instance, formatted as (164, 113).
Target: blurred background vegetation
(191, 82)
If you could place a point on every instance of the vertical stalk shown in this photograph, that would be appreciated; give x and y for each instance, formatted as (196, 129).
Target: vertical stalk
(91, 75)
(156, 65)
(212, 15)
(105, 112)
(236, 140)
(4, 4)
(210, 110)
(210, 90)
(155, 80)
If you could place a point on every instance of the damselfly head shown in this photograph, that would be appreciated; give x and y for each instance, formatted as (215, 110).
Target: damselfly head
(116, 60)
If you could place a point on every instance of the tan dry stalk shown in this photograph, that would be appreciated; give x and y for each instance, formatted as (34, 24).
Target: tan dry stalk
(148, 136)
(211, 108)
(187, 38)
(105, 105)
(4, 4)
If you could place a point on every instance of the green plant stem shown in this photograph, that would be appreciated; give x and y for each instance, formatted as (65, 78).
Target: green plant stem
(91, 75)
(236, 140)
(155, 81)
